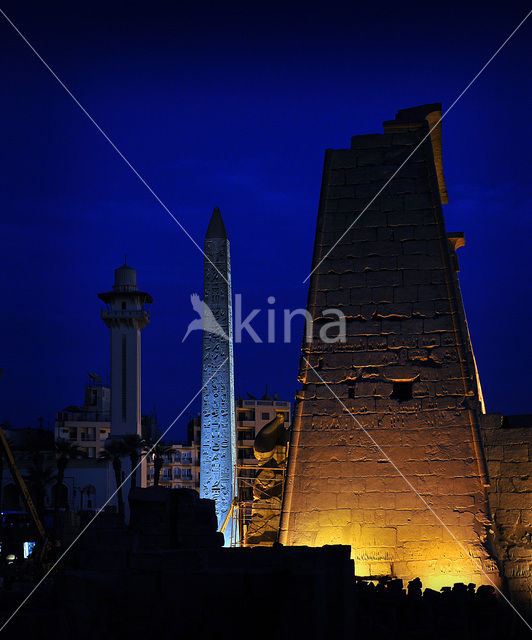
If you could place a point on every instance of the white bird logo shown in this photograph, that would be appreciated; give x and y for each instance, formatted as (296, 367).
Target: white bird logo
(206, 321)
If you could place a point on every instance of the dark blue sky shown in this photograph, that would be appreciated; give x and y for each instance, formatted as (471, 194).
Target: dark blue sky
(232, 105)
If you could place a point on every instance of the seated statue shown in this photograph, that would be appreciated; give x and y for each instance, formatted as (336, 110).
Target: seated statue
(271, 451)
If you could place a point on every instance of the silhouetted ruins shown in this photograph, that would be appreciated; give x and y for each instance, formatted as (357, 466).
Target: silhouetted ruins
(168, 575)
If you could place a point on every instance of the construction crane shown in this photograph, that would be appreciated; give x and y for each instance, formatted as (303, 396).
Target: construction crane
(17, 477)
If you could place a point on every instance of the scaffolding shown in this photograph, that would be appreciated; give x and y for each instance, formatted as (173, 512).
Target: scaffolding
(251, 500)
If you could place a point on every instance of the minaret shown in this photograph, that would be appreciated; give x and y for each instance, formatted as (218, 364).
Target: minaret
(218, 444)
(125, 315)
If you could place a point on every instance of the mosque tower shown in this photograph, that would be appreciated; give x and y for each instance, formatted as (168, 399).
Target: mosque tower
(126, 315)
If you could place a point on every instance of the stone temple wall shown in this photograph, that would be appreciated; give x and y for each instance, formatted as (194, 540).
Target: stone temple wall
(394, 276)
(508, 445)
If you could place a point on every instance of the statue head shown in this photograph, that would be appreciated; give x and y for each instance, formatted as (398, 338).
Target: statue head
(271, 442)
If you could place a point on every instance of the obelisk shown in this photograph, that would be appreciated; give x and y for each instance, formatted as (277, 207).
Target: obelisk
(218, 440)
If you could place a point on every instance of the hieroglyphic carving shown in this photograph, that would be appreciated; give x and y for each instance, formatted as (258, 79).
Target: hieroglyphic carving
(393, 276)
(218, 441)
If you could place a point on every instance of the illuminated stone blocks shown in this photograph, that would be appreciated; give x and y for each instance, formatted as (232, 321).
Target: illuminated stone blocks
(387, 422)
(508, 444)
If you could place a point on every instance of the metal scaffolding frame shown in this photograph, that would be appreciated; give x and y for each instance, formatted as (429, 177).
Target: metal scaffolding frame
(245, 476)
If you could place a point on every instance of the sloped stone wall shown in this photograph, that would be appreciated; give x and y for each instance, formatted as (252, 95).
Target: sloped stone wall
(508, 445)
(394, 277)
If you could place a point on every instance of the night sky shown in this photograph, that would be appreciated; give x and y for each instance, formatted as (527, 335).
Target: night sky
(233, 105)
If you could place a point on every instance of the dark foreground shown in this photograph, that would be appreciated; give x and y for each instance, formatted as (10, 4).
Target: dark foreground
(167, 577)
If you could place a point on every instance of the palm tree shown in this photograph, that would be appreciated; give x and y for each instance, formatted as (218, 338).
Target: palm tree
(158, 450)
(38, 478)
(1, 477)
(134, 444)
(115, 450)
(4, 425)
(66, 451)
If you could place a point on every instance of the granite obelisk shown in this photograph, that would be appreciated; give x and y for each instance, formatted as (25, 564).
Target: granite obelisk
(218, 441)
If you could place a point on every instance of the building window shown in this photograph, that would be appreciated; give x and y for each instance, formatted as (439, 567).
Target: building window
(265, 415)
(245, 415)
(402, 390)
(124, 378)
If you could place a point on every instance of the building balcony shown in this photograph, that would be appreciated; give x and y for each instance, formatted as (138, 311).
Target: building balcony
(70, 418)
(131, 317)
(245, 424)
(125, 313)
